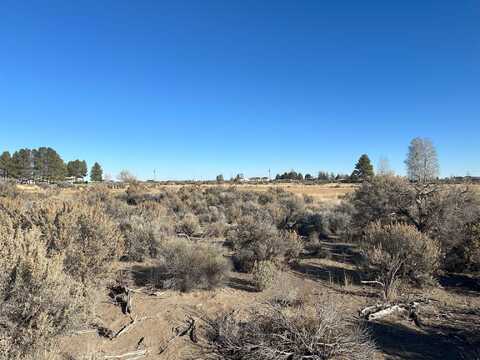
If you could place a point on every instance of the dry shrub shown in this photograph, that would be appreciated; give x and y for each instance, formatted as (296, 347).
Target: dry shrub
(442, 212)
(466, 254)
(275, 333)
(38, 300)
(285, 292)
(56, 220)
(136, 193)
(384, 199)
(95, 243)
(188, 225)
(326, 221)
(263, 274)
(143, 236)
(85, 235)
(8, 189)
(186, 266)
(255, 238)
(473, 246)
(216, 229)
(399, 251)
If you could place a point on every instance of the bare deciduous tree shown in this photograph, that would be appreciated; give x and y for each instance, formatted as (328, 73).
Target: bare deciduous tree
(384, 168)
(422, 161)
(126, 177)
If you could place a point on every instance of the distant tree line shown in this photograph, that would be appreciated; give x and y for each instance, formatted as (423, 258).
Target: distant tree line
(323, 176)
(44, 165)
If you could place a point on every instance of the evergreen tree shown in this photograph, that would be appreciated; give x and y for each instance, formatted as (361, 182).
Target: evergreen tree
(22, 164)
(83, 169)
(96, 174)
(77, 168)
(5, 164)
(48, 165)
(363, 169)
(220, 178)
(323, 176)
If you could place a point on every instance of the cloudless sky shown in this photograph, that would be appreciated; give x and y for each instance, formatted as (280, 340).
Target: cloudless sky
(197, 88)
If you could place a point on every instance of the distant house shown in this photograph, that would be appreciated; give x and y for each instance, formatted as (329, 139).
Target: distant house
(73, 179)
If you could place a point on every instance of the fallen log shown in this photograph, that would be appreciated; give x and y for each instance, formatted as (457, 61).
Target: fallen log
(128, 356)
(124, 329)
(375, 312)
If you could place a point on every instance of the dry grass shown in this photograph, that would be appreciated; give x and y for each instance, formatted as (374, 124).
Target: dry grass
(324, 192)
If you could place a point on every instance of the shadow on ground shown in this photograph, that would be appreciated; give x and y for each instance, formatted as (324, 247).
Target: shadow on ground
(401, 342)
(330, 274)
(461, 284)
(241, 284)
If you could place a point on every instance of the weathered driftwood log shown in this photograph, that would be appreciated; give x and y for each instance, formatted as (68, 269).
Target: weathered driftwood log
(124, 329)
(128, 356)
(379, 311)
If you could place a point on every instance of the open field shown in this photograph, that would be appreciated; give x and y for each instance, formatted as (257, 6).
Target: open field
(182, 258)
(450, 323)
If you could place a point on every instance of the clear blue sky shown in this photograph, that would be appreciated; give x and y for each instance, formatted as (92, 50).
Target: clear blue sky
(197, 88)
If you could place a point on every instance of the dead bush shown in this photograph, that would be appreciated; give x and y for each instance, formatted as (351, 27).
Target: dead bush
(38, 301)
(186, 266)
(399, 251)
(274, 333)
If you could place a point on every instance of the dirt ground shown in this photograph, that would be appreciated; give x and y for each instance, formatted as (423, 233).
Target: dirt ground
(449, 328)
(450, 322)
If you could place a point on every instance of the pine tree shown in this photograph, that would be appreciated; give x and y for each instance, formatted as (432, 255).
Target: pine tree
(83, 169)
(48, 165)
(22, 164)
(96, 174)
(5, 164)
(363, 169)
(77, 169)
